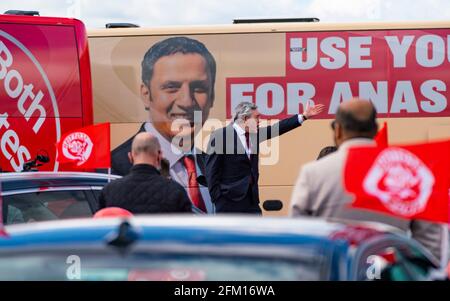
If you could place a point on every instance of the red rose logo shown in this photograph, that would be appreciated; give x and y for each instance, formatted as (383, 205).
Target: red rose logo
(78, 147)
(401, 181)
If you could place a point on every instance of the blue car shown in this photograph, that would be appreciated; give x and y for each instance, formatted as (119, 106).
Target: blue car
(219, 248)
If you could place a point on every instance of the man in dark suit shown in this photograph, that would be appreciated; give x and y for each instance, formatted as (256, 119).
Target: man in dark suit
(232, 163)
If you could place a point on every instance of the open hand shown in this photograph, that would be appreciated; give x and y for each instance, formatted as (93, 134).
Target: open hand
(312, 111)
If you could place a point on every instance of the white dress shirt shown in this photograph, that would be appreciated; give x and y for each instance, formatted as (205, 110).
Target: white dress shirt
(177, 170)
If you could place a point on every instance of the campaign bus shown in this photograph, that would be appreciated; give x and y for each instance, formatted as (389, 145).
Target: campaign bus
(401, 67)
(51, 83)
(45, 87)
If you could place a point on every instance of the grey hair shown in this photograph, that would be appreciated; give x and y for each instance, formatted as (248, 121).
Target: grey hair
(244, 110)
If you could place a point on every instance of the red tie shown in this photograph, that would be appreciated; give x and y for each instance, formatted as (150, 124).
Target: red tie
(194, 190)
(247, 140)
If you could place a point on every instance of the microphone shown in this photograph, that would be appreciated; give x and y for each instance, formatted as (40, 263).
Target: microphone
(273, 205)
(40, 159)
(42, 156)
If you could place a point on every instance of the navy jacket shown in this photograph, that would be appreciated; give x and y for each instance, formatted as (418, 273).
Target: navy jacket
(143, 191)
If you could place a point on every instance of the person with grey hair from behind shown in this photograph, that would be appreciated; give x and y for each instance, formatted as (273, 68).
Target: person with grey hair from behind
(144, 190)
(319, 190)
(232, 170)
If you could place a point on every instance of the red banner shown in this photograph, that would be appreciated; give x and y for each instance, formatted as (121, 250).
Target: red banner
(403, 72)
(408, 181)
(85, 148)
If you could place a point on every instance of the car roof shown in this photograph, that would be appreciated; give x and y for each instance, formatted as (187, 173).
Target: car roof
(28, 180)
(193, 229)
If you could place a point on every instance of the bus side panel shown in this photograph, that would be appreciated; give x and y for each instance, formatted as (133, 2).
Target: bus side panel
(40, 88)
(402, 71)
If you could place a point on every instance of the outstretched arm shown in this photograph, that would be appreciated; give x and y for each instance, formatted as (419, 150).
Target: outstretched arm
(290, 123)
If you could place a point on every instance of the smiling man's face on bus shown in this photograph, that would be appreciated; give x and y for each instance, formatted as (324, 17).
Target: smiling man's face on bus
(180, 85)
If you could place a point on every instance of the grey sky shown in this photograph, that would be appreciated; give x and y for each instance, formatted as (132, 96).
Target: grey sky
(200, 12)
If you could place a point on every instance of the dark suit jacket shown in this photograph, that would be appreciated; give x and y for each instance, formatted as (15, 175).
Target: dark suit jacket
(144, 190)
(121, 165)
(231, 176)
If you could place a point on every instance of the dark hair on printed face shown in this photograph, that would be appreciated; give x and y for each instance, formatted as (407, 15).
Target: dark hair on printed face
(172, 46)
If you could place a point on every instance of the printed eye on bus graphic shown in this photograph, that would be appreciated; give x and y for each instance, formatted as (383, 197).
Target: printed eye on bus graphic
(39, 91)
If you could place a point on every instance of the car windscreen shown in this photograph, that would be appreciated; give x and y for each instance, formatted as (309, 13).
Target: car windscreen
(106, 264)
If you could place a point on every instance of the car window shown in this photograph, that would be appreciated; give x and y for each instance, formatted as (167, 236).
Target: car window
(103, 265)
(397, 261)
(96, 193)
(44, 206)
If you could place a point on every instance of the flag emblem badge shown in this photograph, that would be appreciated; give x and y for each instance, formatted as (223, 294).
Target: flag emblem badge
(78, 147)
(401, 181)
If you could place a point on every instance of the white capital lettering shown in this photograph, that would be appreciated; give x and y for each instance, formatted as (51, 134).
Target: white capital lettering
(437, 51)
(336, 58)
(356, 52)
(341, 92)
(378, 96)
(6, 59)
(399, 49)
(297, 50)
(436, 101)
(237, 94)
(404, 98)
(295, 98)
(262, 99)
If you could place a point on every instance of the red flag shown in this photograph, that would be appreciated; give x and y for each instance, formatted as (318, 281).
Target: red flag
(408, 181)
(382, 136)
(85, 148)
(3, 233)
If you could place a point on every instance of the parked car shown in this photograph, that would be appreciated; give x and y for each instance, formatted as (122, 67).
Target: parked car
(219, 248)
(43, 196)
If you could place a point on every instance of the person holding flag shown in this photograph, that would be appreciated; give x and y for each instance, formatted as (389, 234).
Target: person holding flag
(319, 190)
